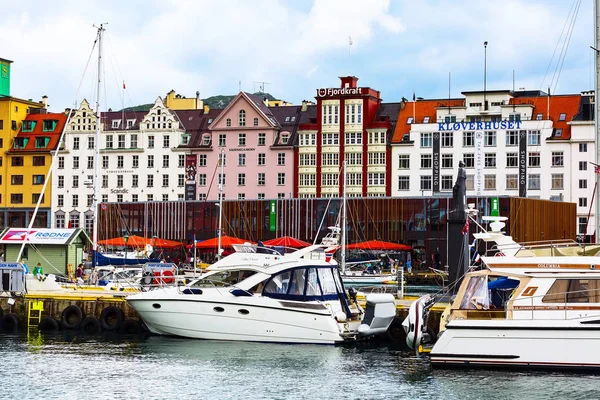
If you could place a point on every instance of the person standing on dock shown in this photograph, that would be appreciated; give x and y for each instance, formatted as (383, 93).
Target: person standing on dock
(79, 274)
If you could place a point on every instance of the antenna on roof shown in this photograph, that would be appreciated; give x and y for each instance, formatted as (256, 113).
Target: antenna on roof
(261, 86)
(239, 86)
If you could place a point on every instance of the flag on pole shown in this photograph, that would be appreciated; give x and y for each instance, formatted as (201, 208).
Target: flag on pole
(596, 168)
(465, 230)
(414, 97)
(124, 85)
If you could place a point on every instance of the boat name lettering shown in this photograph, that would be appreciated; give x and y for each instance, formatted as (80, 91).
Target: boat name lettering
(324, 92)
(243, 149)
(119, 190)
(548, 265)
(489, 125)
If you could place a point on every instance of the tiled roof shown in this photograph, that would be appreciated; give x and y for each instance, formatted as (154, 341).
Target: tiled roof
(198, 126)
(419, 110)
(109, 116)
(560, 104)
(309, 116)
(259, 102)
(38, 131)
(289, 118)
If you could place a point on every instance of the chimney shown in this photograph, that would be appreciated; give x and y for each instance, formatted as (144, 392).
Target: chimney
(304, 106)
(206, 109)
(45, 101)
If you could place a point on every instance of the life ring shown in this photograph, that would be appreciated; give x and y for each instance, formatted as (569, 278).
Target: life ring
(9, 323)
(170, 280)
(71, 317)
(131, 327)
(90, 325)
(48, 324)
(111, 318)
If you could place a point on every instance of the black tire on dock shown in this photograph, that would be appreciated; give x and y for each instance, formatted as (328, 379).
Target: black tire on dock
(111, 318)
(9, 323)
(48, 324)
(131, 327)
(71, 317)
(90, 325)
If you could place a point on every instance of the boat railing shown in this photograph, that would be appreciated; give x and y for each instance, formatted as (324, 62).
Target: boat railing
(552, 248)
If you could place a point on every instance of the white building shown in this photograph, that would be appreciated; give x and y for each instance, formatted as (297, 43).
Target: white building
(142, 158)
(522, 143)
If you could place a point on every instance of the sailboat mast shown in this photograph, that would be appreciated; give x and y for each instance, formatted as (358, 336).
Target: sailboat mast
(97, 148)
(222, 161)
(343, 250)
(596, 111)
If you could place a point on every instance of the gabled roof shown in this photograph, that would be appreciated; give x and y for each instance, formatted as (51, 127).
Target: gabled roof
(198, 126)
(110, 116)
(38, 131)
(256, 102)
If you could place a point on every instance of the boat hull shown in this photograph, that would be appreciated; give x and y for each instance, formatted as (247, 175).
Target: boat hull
(255, 319)
(519, 344)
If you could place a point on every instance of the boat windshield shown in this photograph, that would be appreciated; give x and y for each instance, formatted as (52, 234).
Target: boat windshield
(308, 283)
(476, 295)
(223, 278)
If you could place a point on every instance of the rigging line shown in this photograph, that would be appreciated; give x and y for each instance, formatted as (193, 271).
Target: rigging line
(87, 64)
(567, 44)
(557, 44)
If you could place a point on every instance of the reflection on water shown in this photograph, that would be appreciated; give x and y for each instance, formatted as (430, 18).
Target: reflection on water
(71, 366)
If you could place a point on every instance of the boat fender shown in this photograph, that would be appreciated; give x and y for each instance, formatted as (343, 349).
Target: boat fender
(340, 316)
(9, 323)
(48, 324)
(90, 325)
(111, 318)
(131, 327)
(71, 317)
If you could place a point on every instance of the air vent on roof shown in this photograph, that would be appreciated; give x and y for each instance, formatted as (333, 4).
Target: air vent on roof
(406, 137)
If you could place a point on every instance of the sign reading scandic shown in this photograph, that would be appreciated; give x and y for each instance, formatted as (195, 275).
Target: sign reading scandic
(36, 236)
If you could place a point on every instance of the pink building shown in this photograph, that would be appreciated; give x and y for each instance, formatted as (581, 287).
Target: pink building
(257, 145)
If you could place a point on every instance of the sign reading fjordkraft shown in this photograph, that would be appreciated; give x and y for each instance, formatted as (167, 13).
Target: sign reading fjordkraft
(471, 126)
(436, 162)
(326, 92)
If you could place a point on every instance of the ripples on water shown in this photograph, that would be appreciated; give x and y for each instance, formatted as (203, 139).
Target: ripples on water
(68, 366)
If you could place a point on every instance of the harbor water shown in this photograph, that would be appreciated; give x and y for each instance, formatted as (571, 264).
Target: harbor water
(71, 366)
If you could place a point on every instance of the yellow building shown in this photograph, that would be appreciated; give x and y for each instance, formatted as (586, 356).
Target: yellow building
(13, 112)
(176, 101)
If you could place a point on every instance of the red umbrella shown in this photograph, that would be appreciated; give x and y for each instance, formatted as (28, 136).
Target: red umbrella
(226, 241)
(378, 245)
(287, 241)
(139, 241)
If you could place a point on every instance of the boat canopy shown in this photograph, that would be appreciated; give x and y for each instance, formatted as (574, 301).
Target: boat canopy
(305, 284)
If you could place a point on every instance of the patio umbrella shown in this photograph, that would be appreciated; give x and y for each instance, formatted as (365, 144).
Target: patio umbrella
(378, 245)
(287, 241)
(139, 241)
(226, 241)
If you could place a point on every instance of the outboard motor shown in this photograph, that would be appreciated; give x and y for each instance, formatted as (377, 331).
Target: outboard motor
(380, 312)
(415, 324)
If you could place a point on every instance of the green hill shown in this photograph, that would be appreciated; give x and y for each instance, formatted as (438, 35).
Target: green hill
(219, 101)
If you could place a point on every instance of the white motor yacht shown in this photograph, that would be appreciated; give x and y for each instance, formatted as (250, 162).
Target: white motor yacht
(258, 294)
(534, 306)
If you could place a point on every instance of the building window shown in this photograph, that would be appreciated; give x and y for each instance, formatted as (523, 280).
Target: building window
(533, 138)
(16, 179)
(222, 140)
(558, 181)
(376, 179)
(201, 179)
(403, 161)
(376, 137)
(60, 200)
(241, 179)
(150, 161)
(410, 120)
(489, 182)
(583, 165)
(166, 141)
(222, 179)
(308, 159)
(181, 161)
(514, 117)
(242, 118)
(489, 139)
(353, 138)
(75, 202)
(583, 147)
(255, 121)
(539, 117)
(376, 158)
(562, 117)
(261, 159)
(104, 198)
(75, 143)
(134, 181)
(165, 180)
(241, 160)
(262, 139)
(75, 181)
(16, 161)
(151, 142)
(512, 160)
(469, 160)
(135, 162)
(134, 198)
(109, 141)
(426, 140)
(449, 118)
(38, 179)
(330, 159)
(512, 138)
(281, 178)
(426, 162)
(61, 162)
(38, 161)
(403, 182)
(60, 220)
(120, 161)
(228, 122)
(121, 141)
(104, 181)
(180, 180)
(583, 202)
(165, 161)
(133, 142)
(425, 182)
(76, 162)
(150, 197)
(353, 158)
(490, 160)
(447, 182)
(330, 139)
(557, 159)
(61, 181)
(447, 139)
(447, 161)
(104, 162)
(512, 181)
(241, 139)
(426, 120)
(119, 181)
(150, 181)
(534, 182)
(534, 159)
(165, 197)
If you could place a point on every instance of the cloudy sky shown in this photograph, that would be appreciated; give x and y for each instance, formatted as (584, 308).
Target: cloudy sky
(398, 47)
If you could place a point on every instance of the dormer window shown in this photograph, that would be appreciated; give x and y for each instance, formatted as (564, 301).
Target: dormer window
(28, 126)
(562, 117)
(410, 120)
(210, 121)
(115, 123)
(41, 142)
(49, 125)
(20, 143)
(130, 123)
(284, 138)
(287, 119)
(426, 120)
(558, 132)
(242, 118)
(206, 139)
